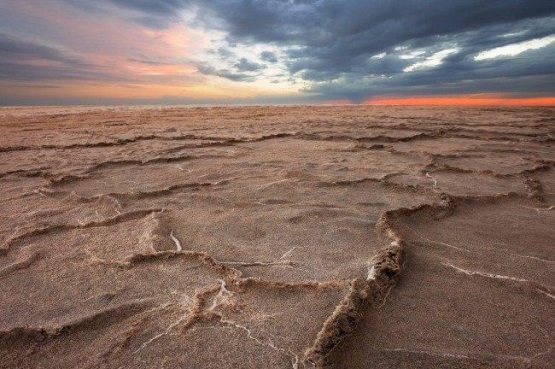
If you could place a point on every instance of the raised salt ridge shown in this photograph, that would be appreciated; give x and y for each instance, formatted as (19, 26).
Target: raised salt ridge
(277, 237)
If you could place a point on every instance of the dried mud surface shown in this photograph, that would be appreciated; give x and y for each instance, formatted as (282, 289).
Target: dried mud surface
(277, 237)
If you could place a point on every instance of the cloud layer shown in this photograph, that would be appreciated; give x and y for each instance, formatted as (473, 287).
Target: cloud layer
(308, 50)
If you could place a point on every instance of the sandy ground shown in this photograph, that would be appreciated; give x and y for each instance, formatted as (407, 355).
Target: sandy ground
(277, 237)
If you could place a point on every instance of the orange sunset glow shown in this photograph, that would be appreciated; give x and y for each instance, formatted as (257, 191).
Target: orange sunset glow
(462, 100)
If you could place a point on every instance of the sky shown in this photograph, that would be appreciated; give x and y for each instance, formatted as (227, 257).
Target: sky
(468, 52)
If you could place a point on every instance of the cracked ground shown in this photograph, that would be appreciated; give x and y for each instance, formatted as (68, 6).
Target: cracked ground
(277, 237)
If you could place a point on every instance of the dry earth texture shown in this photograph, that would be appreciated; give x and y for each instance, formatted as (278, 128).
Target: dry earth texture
(277, 237)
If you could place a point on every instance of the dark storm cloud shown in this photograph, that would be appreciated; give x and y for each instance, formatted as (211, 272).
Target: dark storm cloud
(27, 61)
(14, 49)
(330, 44)
(534, 74)
(337, 31)
(268, 56)
(339, 48)
(245, 65)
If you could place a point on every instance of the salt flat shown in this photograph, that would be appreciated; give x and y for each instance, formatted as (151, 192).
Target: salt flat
(277, 237)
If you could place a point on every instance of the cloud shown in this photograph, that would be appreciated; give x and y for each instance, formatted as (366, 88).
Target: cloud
(225, 53)
(22, 60)
(341, 43)
(268, 56)
(224, 73)
(432, 61)
(533, 74)
(515, 49)
(245, 65)
(14, 49)
(156, 14)
(333, 49)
